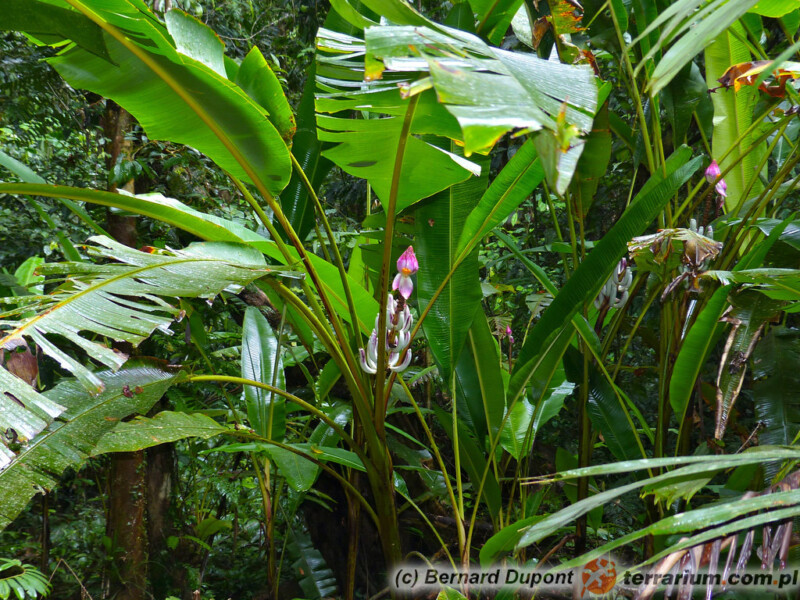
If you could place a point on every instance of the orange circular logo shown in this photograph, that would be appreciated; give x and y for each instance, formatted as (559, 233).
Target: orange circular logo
(598, 576)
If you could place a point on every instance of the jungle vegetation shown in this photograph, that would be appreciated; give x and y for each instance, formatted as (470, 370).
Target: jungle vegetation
(294, 292)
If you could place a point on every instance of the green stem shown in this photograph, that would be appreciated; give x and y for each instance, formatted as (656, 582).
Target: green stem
(457, 513)
(347, 352)
(637, 100)
(584, 451)
(346, 484)
(263, 486)
(351, 305)
(291, 398)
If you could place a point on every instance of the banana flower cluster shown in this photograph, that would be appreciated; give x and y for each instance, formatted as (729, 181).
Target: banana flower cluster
(706, 231)
(398, 321)
(699, 259)
(619, 283)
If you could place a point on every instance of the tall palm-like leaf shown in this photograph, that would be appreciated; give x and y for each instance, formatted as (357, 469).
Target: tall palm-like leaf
(439, 223)
(36, 465)
(261, 361)
(122, 302)
(99, 298)
(165, 427)
(523, 534)
(734, 115)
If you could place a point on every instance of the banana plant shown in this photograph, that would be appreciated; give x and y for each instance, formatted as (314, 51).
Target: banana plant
(173, 77)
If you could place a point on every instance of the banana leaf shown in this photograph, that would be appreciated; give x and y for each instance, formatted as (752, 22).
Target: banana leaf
(38, 463)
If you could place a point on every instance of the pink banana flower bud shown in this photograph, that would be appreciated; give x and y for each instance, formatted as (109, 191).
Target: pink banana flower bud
(407, 265)
(712, 172)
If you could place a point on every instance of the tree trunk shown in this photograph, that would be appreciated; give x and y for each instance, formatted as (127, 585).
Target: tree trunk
(126, 529)
(164, 572)
(125, 522)
(117, 122)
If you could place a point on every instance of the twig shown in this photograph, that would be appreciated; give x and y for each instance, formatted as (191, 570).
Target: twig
(84, 592)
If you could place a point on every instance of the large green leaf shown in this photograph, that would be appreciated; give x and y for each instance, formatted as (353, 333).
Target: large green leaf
(585, 283)
(173, 95)
(38, 463)
(24, 580)
(488, 90)
(155, 206)
(165, 427)
(733, 114)
(98, 298)
(694, 520)
(261, 361)
(259, 81)
(778, 284)
(774, 8)
(307, 149)
(366, 148)
(753, 455)
(479, 380)
(777, 379)
(438, 225)
(697, 344)
(193, 38)
(395, 11)
(52, 24)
